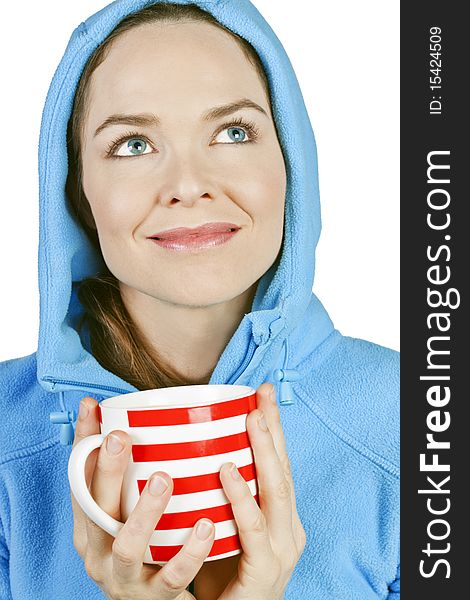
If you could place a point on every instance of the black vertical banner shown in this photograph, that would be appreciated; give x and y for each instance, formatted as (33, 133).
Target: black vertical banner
(435, 259)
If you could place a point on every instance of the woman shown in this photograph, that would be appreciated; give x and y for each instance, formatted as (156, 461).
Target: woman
(126, 305)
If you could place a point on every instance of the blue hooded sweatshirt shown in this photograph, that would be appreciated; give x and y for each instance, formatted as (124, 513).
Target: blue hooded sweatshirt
(338, 396)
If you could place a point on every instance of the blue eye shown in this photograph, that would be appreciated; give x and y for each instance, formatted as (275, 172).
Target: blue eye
(136, 147)
(237, 134)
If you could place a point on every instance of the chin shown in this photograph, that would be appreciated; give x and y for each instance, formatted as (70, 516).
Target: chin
(194, 288)
(196, 297)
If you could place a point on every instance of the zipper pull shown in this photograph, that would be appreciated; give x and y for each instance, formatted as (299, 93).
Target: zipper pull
(65, 418)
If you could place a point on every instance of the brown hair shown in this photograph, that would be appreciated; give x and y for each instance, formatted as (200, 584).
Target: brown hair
(115, 340)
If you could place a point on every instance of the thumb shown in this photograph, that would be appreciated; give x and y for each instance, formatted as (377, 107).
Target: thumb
(88, 423)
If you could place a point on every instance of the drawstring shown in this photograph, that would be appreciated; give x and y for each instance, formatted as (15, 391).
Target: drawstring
(284, 377)
(64, 418)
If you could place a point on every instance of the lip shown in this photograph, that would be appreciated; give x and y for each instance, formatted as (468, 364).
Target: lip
(185, 232)
(187, 239)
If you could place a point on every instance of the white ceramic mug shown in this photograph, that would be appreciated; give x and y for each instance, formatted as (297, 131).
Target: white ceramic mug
(188, 432)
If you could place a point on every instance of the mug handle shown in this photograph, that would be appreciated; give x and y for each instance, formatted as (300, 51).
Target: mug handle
(78, 485)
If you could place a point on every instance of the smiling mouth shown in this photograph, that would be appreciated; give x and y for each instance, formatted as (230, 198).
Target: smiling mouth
(198, 234)
(211, 228)
(193, 242)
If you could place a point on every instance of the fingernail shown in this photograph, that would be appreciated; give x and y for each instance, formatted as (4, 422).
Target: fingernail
(157, 486)
(83, 411)
(262, 423)
(234, 471)
(114, 444)
(203, 530)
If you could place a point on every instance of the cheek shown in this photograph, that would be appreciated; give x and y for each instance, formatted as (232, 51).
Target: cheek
(114, 204)
(265, 194)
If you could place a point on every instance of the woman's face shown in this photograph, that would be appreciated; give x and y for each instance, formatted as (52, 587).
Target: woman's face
(185, 170)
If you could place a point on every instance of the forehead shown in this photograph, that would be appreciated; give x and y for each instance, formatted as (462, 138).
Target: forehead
(167, 65)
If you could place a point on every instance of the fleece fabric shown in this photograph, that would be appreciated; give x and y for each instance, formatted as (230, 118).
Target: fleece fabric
(337, 395)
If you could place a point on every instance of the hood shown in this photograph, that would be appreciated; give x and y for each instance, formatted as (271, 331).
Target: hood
(265, 346)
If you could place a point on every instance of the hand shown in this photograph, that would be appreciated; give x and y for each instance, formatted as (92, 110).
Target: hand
(116, 564)
(271, 535)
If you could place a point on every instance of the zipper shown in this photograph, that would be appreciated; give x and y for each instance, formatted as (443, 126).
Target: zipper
(80, 384)
(249, 355)
(66, 418)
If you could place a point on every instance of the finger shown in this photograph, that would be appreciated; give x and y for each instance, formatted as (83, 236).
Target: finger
(267, 402)
(274, 488)
(106, 486)
(174, 577)
(251, 522)
(129, 547)
(87, 424)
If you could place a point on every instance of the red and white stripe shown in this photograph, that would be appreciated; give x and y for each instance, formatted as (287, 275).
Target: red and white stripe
(193, 444)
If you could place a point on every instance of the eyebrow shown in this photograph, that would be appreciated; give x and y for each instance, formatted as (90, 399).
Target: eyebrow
(149, 119)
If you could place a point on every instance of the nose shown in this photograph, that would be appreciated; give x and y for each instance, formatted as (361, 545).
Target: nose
(185, 181)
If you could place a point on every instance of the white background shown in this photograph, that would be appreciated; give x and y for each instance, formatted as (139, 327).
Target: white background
(346, 57)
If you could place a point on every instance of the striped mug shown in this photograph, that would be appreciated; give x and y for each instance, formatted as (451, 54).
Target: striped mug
(188, 432)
